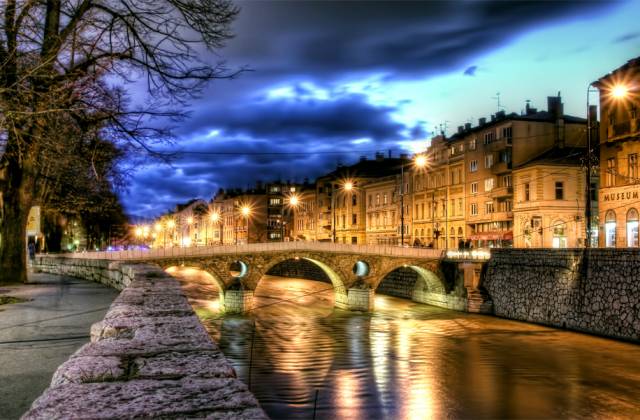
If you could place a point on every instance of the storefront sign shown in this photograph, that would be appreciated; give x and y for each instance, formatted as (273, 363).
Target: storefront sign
(620, 196)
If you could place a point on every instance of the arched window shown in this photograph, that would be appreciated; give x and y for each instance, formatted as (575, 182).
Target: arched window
(460, 234)
(632, 228)
(610, 229)
(559, 234)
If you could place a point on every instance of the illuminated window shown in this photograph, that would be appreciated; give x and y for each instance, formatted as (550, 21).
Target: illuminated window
(610, 229)
(633, 167)
(473, 165)
(488, 184)
(474, 188)
(474, 209)
(632, 228)
(559, 235)
(611, 172)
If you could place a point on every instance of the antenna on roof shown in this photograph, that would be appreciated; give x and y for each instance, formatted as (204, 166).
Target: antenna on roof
(497, 98)
(443, 128)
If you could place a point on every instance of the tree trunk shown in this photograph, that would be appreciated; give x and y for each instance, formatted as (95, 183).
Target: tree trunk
(13, 230)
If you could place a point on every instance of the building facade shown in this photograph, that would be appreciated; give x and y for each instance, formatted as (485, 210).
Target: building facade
(619, 193)
(549, 200)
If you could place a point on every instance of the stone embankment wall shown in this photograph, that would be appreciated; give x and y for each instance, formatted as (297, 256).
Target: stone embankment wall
(595, 291)
(149, 358)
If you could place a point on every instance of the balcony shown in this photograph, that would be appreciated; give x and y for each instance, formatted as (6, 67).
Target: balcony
(501, 192)
(500, 167)
(500, 216)
(499, 144)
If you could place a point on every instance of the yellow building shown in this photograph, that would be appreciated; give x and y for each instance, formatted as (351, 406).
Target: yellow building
(619, 202)
(493, 149)
(383, 211)
(549, 200)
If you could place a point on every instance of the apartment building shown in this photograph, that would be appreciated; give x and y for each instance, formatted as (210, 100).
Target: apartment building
(549, 200)
(383, 211)
(280, 210)
(439, 194)
(243, 215)
(619, 150)
(493, 149)
(305, 215)
(340, 195)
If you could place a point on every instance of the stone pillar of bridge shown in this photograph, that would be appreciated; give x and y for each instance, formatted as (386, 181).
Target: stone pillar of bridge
(478, 300)
(237, 299)
(360, 297)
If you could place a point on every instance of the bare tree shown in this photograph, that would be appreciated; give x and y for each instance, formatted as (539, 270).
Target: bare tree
(60, 60)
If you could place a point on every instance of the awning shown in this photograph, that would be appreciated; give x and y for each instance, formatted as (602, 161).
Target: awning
(492, 236)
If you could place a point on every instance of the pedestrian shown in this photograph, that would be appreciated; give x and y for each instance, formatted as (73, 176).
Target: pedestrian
(32, 251)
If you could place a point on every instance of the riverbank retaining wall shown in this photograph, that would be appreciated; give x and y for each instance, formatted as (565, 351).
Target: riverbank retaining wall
(595, 291)
(148, 358)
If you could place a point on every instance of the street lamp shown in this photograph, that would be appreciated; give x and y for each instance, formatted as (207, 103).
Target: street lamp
(171, 224)
(246, 212)
(617, 92)
(215, 218)
(347, 185)
(420, 161)
(293, 201)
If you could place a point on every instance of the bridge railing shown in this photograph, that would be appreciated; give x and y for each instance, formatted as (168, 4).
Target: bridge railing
(160, 253)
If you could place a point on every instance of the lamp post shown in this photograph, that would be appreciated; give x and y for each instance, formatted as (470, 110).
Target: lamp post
(293, 203)
(171, 224)
(346, 186)
(617, 92)
(420, 161)
(246, 212)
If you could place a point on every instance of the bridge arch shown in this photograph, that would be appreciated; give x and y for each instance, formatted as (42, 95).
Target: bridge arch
(210, 276)
(412, 281)
(336, 279)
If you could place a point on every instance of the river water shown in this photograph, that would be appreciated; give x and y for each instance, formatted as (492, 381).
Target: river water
(412, 361)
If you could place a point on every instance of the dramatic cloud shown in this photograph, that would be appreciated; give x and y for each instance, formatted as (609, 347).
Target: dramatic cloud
(627, 37)
(297, 102)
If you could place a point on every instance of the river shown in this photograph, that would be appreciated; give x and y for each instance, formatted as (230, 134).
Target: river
(411, 361)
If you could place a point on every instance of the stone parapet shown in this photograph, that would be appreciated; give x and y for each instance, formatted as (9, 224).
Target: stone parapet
(150, 357)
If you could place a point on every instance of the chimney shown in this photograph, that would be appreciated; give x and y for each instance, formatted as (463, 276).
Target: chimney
(379, 156)
(482, 121)
(467, 126)
(555, 106)
(460, 129)
(530, 110)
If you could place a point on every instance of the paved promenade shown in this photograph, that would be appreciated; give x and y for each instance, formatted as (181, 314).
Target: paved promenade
(39, 335)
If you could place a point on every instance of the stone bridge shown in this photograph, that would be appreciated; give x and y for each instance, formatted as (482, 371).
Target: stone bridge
(354, 270)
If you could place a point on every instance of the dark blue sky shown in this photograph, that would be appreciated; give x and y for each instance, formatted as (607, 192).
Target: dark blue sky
(356, 77)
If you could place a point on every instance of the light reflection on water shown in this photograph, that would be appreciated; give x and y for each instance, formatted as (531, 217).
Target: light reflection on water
(413, 361)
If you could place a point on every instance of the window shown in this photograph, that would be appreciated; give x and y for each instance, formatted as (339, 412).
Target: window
(474, 188)
(275, 189)
(488, 184)
(472, 144)
(488, 207)
(354, 240)
(275, 201)
(385, 198)
(344, 220)
(488, 161)
(559, 190)
(370, 200)
(506, 133)
(527, 197)
(610, 229)
(377, 199)
(559, 235)
(633, 167)
(473, 165)
(506, 181)
(474, 209)
(611, 172)
(632, 228)
(488, 137)
(354, 219)
(452, 150)
(354, 200)
(460, 206)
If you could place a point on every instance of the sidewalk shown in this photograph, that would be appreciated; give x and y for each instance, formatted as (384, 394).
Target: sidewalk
(39, 335)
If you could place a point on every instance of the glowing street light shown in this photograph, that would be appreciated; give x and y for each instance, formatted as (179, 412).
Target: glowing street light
(620, 91)
(294, 201)
(420, 161)
(348, 186)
